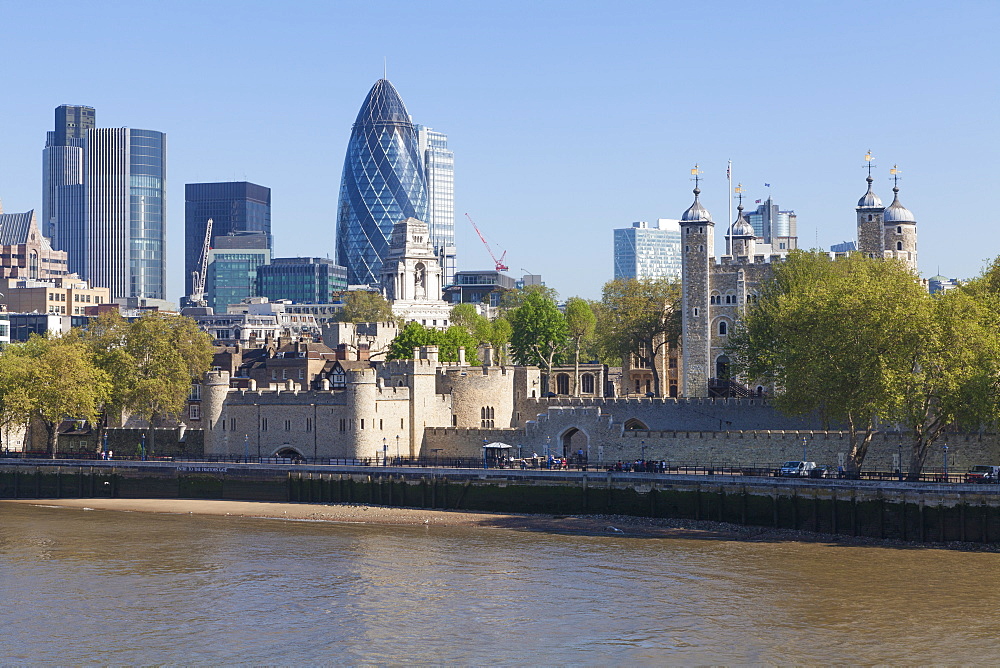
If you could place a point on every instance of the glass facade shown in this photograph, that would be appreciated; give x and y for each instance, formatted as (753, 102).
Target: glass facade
(234, 207)
(124, 197)
(62, 162)
(439, 171)
(642, 251)
(232, 269)
(769, 223)
(303, 280)
(383, 183)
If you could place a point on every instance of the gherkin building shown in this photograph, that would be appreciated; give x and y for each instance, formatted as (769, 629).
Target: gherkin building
(383, 184)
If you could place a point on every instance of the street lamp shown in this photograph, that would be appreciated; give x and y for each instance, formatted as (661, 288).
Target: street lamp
(642, 445)
(946, 462)
(142, 447)
(548, 441)
(246, 447)
(385, 452)
(397, 448)
(899, 448)
(804, 441)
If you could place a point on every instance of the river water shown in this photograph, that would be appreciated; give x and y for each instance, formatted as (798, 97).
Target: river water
(98, 587)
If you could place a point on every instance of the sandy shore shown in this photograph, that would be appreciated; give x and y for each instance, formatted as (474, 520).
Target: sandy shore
(362, 514)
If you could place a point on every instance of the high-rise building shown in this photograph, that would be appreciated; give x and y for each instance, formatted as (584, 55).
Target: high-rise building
(644, 251)
(62, 161)
(124, 180)
(232, 268)
(383, 184)
(303, 280)
(773, 227)
(104, 202)
(234, 207)
(439, 171)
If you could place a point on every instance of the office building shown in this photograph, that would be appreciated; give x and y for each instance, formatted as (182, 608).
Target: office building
(63, 296)
(302, 280)
(234, 207)
(383, 184)
(232, 268)
(774, 228)
(644, 251)
(479, 287)
(62, 161)
(124, 180)
(439, 172)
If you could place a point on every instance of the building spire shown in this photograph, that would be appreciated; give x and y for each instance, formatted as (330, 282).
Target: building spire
(895, 171)
(868, 159)
(697, 176)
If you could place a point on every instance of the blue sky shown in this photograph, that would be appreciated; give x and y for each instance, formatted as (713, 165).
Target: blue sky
(567, 119)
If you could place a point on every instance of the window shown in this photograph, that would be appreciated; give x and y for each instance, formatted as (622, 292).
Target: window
(899, 229)
(309, 424)
(869, 216)
(486, 417)
(232, 424)
(194, 411)
(723, 328)
(899, 245)
(362, 423)
(288, 425)
(696, 311)
(263, 424)
(587, 383)
(343, 424)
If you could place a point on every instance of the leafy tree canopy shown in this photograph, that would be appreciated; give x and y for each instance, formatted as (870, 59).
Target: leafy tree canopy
(365, 306)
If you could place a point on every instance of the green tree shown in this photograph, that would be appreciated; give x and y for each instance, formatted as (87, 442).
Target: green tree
(580, 323)
(150, 361)
(415, 335)
(640, 318)
(58, 381)
(538, 333)
(955, 374)
(365, 306)
(514, 298)
(498, 335)
(839, 337)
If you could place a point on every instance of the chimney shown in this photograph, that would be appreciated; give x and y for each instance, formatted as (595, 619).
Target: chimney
(487, 355)
(431, 353)
(461, 355)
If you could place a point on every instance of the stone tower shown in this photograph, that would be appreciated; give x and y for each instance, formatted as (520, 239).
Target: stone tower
(900, 232)
(870, 232)
(698, 243)
(742, 240)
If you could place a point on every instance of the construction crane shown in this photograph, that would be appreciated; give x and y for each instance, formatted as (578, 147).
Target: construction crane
(198, 277)
(499, 263)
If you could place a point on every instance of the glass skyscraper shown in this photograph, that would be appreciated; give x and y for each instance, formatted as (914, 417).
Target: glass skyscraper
(642, 251)
(234, 207)
(439, 171)
(383, 184)
(124, 229)
(62, 162)
(232, 267)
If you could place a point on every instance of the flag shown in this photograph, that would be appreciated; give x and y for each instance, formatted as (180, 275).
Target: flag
(757, 202)
(767, 185)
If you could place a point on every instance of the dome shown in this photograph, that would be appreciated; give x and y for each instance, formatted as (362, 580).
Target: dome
(696, 212)
(742, 226)
(870, 199)
(896, 212)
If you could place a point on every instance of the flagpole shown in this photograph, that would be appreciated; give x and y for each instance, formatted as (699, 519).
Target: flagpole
(729, 238)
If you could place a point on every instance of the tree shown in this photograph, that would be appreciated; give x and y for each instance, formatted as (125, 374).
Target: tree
(580, 323)
(415, 335)
(57, 381)
(514, 298)
(495, 332)
(538, 332)
(365, 306)
(641, 318)
(955, 377)
(150, 361)
(839, 337)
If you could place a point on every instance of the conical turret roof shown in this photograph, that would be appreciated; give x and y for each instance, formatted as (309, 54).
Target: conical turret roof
(696, 212)
(896, 212)
(869, 200)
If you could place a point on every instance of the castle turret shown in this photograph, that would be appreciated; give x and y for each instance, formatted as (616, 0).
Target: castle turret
(900, 229)
(870, 213)
(214, 390)
(743, 239)
(362, 393)
(698, 243)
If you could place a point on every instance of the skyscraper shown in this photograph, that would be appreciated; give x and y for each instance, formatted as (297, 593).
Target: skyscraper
(774, 227)
(232, 267)
(304, 280)
(643, 251)
(125, 222)
(439, 171)
(234, 207)
(383, 184)
(62, 161)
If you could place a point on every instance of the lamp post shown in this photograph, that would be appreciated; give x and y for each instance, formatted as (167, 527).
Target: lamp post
(642, 446)
(397, 448)
(385, 452)
(804, 442)
(246, 447)
(142, 447)
(899, 448)
(946, 462)
(548, 441)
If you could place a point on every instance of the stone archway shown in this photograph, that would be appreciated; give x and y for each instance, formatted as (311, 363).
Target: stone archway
(288, 452)
(575, 445)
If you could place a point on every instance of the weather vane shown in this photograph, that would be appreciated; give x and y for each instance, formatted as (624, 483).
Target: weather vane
(868, 158)
(895, 171)
(696, 173)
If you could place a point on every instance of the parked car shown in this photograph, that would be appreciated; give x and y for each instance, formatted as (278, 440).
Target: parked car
(983, 474)
(796, 469)
(821, 472)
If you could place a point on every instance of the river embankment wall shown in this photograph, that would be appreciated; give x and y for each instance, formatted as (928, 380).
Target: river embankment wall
(919, 512)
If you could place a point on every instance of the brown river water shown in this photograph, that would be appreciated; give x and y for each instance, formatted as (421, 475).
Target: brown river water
(107, 587)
